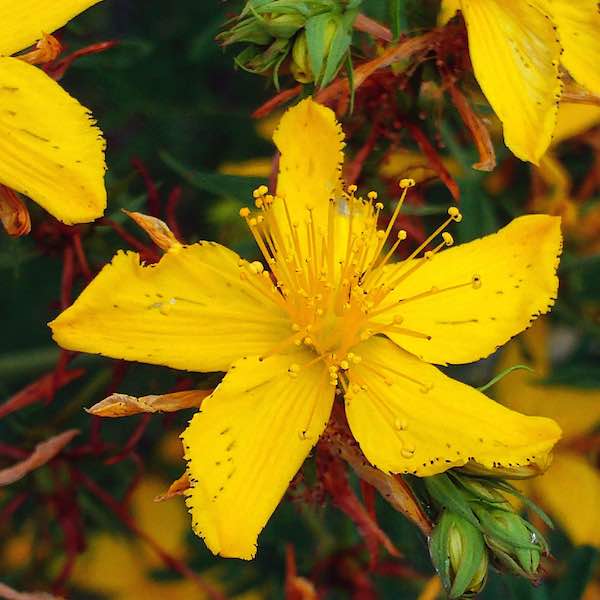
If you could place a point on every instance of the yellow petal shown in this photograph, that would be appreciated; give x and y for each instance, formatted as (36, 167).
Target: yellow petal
(23, 23)
(574, 119)
(310, 141)
(515, 56)
(408, 417)
(488, 290)
(247, 443)
(577, 411)
(190, 311)
(50, 149)
(578, 25)
(448, 9)
(570, 492)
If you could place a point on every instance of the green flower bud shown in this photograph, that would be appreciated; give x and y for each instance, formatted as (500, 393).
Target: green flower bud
(300, 65)
(459, 555)
(516, 472)
(514, 543)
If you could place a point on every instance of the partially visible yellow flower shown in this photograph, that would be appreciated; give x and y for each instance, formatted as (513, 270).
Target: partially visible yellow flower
(580, 223)
(570, 489)
(252, 167)
(334, 317)
(122, 567)
(516, 48)
(402, 163)
(50, 149)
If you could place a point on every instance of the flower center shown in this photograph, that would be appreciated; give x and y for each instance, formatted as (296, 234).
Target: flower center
(327, 271)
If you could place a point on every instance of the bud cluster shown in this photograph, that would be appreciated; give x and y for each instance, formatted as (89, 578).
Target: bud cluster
(308, 38)
(477, 525)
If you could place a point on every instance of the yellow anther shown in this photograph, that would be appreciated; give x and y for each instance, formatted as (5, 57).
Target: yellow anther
(268, 199)
(402, 235)
(259, 203)
(372, 195)
(428, 255)
(261, 190)
(256, 267)
(244, 212)
(380, 234)
(253, 222)
(356, 358)
(345, 365)
(406, 183)
(295, 327)
(333, 370)
(260, 219)
(448, 239)
(308, 341)
(379, 205)
(352, 188)
(454, 213)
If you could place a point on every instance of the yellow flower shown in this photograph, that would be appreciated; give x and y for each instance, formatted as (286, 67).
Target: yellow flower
(516, 48)
(122, 567)
(50, 149)
(570, 489)
(334, 316)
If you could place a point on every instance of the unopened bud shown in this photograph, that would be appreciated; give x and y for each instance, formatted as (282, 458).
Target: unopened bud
(300, 65)
(459, 555)
(514, 543)
(500, 472)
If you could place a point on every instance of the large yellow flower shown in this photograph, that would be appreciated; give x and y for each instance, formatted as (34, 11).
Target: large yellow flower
(50, 149)
(333, 317)
(570, 490)
(516, 48)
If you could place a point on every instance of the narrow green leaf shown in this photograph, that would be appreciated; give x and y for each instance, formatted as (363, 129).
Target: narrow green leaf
(503, 374)
(222, 185)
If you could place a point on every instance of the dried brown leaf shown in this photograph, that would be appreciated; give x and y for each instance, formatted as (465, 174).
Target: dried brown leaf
(122, 405)
(392, 487)
(177, 488)
(478, 130)
(43, 453)
(8, 593)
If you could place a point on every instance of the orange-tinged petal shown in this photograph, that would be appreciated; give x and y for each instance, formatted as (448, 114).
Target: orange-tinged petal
(483, 292)
(576, 410)
(570, 492)
(23, 23)
(310, 141)
(515, 56)
(247, 443)
(50, 149)
(408, 417)
(191, 311)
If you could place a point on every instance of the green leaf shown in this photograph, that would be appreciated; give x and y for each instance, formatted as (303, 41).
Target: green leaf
(339, 46)
(222, 185)
(316, 34)
(397, 17)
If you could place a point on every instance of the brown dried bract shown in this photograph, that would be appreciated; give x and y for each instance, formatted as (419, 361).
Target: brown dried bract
(43, 453)
(177, 488)
(13, 213)
(158, 230)
(122, 405)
